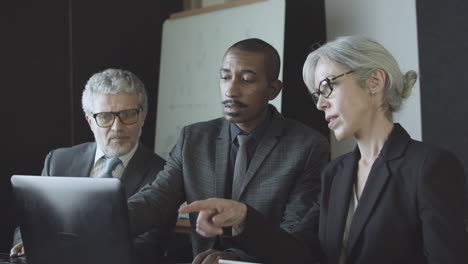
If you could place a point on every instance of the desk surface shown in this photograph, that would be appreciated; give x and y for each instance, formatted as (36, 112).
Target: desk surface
(5, 258)
(183, 226)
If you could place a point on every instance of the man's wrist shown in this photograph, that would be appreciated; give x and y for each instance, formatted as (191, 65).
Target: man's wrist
(238, 229)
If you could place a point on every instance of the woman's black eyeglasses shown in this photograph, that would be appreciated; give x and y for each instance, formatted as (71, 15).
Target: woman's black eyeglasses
(326, 87)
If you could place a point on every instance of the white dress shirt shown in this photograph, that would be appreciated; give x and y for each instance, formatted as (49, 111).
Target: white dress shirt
(98, 167)
(353, 202)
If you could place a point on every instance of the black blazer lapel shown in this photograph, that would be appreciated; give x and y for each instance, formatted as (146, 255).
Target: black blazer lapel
(84, 160)
(136, 170)
(222, 158)
(338, 204)
(375, 185)
(394, 147)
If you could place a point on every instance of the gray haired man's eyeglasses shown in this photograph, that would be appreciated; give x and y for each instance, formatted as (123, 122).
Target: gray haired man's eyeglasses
(126, 117)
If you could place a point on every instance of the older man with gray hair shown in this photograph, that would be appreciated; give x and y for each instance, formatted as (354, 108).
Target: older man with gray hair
(115, 105)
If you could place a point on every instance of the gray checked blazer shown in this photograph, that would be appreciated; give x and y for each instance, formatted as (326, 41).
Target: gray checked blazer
(282, 180)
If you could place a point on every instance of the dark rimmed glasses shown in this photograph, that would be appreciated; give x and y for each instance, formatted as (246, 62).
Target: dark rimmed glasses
(326, 87)
(126, 117)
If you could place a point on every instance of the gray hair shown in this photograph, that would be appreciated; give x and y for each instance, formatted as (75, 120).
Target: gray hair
(113, 81)
(363, 56)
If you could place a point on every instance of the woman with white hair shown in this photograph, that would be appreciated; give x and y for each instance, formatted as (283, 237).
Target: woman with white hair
(392, 200)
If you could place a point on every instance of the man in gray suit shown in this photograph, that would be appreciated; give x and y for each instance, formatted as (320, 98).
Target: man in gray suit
(284, 157)
(115, 105)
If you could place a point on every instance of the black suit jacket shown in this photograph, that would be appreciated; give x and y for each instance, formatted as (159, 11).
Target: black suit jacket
(411, 211)
(77, 161)
(283, 176)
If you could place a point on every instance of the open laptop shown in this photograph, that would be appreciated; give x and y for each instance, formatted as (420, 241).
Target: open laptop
(72, 220)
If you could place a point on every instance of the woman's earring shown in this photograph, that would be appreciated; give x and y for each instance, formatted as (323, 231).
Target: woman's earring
(373, 92)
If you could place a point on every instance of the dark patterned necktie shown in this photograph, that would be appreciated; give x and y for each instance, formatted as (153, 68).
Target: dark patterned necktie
(110, 163)
(240, 167)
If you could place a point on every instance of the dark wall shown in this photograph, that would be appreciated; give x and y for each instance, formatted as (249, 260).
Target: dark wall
(48, 51)
(304, 29)
(443, 56)
(125, 34)
(34, 61)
